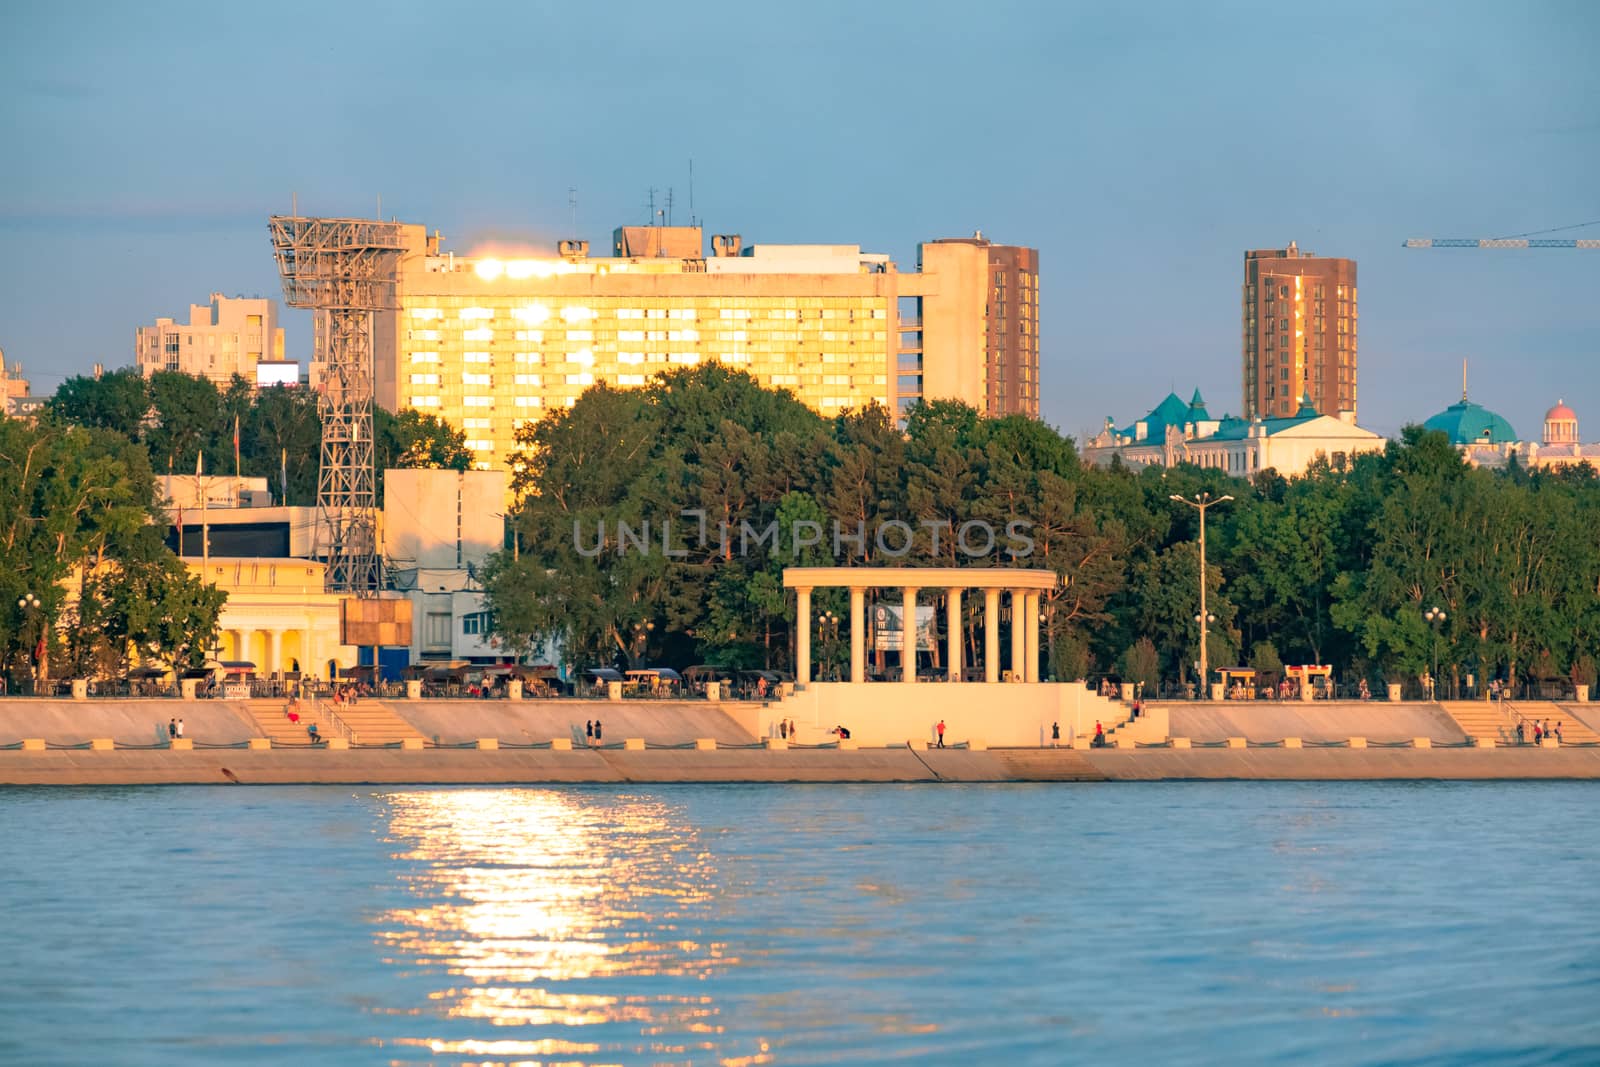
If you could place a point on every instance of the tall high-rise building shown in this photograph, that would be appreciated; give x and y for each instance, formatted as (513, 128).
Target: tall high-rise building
(1010, 321)
(491, 342)
(1299, 320)
(228, 336)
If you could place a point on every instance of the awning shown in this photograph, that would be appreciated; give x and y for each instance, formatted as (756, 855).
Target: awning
(603, 674)
(144, 673)
(237, 665)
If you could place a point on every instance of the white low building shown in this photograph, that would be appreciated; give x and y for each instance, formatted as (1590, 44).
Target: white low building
(1174, 432)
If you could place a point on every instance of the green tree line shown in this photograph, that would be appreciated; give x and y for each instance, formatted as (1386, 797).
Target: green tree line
(1335, 567)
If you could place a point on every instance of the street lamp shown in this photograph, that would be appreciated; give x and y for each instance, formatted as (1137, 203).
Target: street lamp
(1435, 617)
(29, 605)
(1200, 503)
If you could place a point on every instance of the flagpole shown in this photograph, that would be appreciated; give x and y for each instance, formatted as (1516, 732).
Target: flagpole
(205, 528)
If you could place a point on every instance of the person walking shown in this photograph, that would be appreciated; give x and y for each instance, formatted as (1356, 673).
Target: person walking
(940, 729)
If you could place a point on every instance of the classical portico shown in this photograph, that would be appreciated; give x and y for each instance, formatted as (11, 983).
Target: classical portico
(1023, 587)
(1021, 711)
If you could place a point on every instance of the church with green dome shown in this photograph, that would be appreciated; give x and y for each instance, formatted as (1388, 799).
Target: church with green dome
(1466, 423)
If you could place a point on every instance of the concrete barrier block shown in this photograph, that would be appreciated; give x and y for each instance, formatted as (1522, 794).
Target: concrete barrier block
(614, 690)
(414, 687)
(80, 688)
(33, 744)
(848, 744)
(633, 744)
(1358, 742)
(488, 743)
(562, 744)
(1549, 742)
(187, 687)
(1484, 742)
(1292, 742)
(259, 742)
(1237, 742)
(182, 744)
(411, 744)
(977, 744)
(340, 743)
(777, 744)
(102, 744)
(514, 687)
(1422, 742)
(714, 689)
(1180, 742)
(705, 744)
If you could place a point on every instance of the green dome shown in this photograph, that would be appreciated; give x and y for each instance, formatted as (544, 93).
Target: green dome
(1467, 423)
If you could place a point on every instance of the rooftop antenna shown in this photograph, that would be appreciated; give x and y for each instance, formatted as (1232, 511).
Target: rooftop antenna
(1463, 379)
(652, 221)
(669, 205)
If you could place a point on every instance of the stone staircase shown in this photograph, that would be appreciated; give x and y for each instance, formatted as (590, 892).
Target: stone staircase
(372, 723)
(275, 725)
(1488, 718)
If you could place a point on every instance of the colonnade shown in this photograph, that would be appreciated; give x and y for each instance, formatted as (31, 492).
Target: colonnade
(1024, 588)
(279, 649)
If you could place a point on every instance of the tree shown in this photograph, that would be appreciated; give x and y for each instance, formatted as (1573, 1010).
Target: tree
(118, 401)
(413, 440)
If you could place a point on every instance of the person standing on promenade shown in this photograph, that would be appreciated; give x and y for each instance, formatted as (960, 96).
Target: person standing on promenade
(783, 729)
(1558, 731)
(1522, 736)
(588, 729)
(180, 727)
(1055, 735)
(597, 729)
(791, 730)
(940, 729)
(172, 728)
(1537, 733)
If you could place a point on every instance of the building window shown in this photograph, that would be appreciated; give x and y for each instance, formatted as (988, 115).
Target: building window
(437, 632)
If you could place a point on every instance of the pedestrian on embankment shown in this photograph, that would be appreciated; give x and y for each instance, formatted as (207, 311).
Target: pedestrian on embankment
(940, 729)
(597, 729)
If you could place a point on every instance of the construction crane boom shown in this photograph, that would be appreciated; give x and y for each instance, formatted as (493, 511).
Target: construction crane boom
(1501, 242)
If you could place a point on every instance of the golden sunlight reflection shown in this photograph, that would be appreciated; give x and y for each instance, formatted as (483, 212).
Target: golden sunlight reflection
(522, 895)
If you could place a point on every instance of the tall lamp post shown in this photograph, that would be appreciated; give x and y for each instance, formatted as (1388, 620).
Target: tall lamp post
(1200, 503)
(29, 606)
(1435, 617)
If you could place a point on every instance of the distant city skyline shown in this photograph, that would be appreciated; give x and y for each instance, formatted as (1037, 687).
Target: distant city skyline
(1141, 152)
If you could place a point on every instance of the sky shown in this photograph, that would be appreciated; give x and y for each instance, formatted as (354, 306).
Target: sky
(1141, 148)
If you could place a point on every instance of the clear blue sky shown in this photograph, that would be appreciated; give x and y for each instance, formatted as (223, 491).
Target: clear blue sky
(1141, 150)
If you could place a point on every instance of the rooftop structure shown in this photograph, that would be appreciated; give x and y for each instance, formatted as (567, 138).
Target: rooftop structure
(1562, 447)
(14, 389)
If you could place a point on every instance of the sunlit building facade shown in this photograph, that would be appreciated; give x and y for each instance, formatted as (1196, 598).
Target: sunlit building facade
(1299, 318)
(489, 342)
(228, 336)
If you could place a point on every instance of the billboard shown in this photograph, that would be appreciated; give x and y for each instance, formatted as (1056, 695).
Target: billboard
(886, 629)
(277, 372)
(377, 623)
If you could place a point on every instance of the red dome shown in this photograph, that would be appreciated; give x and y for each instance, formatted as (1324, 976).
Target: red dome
(1561, 413)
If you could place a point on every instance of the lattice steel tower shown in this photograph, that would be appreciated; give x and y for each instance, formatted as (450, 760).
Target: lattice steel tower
(345, 269)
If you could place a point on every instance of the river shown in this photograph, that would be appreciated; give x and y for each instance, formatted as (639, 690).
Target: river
(1173, 923)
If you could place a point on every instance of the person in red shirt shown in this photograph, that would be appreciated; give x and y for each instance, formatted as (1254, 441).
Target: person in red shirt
(940, 729)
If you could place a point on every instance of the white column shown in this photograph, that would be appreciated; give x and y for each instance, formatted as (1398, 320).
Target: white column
(1018, 622)
(991, 635)
(802, 638)
(275, 654)
(1030, 634)
(952, 615)
(858, 634)
(908, 634)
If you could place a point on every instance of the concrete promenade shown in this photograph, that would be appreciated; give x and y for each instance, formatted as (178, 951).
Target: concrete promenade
(117, 742)
(618, 766)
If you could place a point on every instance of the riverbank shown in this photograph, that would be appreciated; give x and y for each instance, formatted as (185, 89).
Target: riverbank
(79, 767)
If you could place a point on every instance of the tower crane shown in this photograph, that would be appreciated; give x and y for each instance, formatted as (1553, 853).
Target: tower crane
(1516, 240)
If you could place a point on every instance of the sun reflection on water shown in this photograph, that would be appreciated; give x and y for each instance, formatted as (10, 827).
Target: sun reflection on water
(522, 895)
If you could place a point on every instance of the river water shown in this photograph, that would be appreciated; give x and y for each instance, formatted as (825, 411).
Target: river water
(1307, 923)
